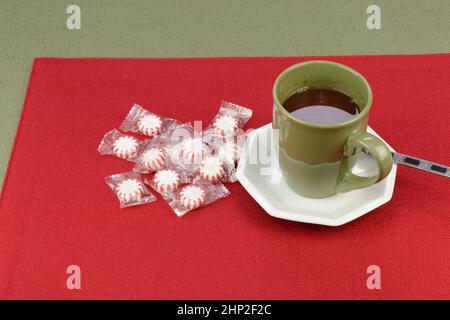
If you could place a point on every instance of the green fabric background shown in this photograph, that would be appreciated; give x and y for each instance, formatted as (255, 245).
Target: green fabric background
(156, 28)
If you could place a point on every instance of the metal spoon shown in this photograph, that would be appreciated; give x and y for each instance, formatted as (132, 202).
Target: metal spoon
(421, 164)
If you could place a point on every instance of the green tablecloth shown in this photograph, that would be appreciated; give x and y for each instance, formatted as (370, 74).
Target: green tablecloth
(158, 28)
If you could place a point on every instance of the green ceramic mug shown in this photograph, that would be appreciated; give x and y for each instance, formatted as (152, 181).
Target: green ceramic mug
(317, 159)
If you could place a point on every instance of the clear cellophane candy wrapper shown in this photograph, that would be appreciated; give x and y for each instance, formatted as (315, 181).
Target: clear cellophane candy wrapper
(226, 137)
(169, 178)
(195, 195)
(153, 157)
(185, 147)
(141, 120)
(229, 121)
(123, 146)
(155, 154)
(224, 158)
(178, 169)
(129, 189)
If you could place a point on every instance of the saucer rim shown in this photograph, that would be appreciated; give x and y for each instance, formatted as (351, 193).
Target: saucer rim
(298, 216)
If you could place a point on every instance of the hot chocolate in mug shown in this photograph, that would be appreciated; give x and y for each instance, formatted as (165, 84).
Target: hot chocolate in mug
(316, 158)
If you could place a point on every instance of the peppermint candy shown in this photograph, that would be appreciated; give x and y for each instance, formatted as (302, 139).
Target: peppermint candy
(150, 125)
(212, 169)
(226, 125)
(166, 180)
(229, 151)
(125, 147)
(193, 149)
(153, 159)
(192, 197)
(130, 190)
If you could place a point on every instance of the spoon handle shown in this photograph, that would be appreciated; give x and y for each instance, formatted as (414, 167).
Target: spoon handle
(417, 163)
(421, 164)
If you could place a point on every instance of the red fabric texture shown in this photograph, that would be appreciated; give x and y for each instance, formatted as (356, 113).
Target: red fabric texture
(56, 209)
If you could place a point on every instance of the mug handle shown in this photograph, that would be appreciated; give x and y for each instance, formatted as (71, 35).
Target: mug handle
(379, 152)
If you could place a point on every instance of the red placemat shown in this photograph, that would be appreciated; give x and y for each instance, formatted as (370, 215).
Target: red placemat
(56, 209)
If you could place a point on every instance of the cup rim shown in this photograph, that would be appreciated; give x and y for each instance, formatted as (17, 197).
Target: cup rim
(360, 115)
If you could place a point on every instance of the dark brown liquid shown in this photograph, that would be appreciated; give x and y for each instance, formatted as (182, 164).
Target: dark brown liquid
(321, 106)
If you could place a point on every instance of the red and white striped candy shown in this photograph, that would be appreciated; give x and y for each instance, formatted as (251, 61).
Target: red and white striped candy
(212, 169)
(192, 197)
(166, 180)
(153, 159)
(229, 151)
(192, 149)
(226, 125)
(125, 147)
(130, 190)
(150, 125)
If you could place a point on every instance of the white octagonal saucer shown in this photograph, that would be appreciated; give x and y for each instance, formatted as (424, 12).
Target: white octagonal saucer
(260, 175)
